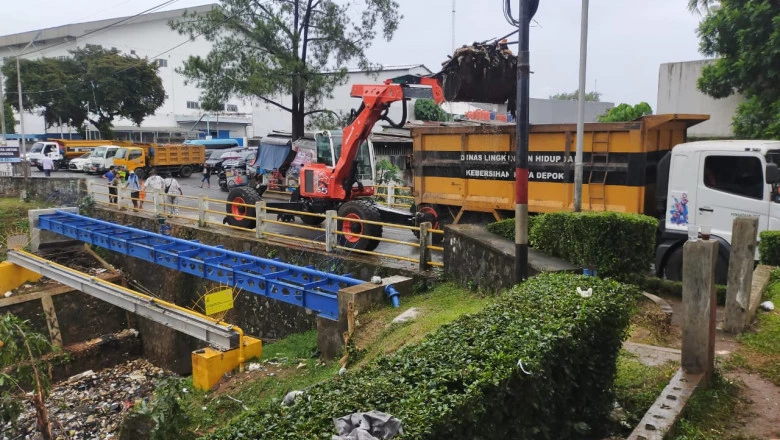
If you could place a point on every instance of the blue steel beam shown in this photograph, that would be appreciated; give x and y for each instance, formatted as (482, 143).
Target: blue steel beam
(301, 286)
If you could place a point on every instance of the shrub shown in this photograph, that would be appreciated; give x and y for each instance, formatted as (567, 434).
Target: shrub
(465, 381)
(769, 248)
(616, 244)
(506, 228)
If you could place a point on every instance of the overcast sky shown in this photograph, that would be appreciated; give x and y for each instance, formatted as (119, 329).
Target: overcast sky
(628, 39)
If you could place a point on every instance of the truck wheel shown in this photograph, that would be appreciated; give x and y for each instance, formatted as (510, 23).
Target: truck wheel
(237, 215)
(359, 210)
(56, 165)
(307, 219)
(431, 214)
(140, 173)
(185, 171)
(673, 269)
(40, 168)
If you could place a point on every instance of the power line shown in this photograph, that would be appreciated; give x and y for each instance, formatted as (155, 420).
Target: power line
(106, 27)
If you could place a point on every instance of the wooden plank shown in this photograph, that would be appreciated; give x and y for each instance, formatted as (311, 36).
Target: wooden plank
(5, 302)
(51, 320)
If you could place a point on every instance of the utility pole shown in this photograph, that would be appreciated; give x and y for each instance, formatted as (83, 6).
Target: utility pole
(23, 145)
(581, 109)
(527, 11)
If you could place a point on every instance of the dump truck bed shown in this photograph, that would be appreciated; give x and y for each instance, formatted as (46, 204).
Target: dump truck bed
(177, 154)
(470, 166)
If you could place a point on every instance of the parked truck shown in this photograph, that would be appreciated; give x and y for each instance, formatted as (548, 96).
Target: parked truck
(62, 151)
(177, 159)
(642, 166)
(102, 158)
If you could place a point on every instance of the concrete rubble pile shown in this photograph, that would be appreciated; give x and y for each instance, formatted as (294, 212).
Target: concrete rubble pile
(91, 405)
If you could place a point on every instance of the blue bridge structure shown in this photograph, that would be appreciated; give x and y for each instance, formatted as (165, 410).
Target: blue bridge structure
(301, 286)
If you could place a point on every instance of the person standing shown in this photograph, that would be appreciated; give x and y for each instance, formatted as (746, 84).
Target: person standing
(48, 164)
(206, 176)
(171, 188)
(142, 195)
(154, 183)
(109, 176)
(135, 188)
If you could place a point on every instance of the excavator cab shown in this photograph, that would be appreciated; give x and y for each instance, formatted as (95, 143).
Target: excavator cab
(329, 151)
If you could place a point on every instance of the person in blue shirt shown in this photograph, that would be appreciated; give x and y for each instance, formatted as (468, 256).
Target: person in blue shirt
(109, 176)
(135, 188)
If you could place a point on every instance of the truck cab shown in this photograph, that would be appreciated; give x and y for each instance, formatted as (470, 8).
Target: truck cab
(131, 158)
(102, 158)
(43, 149)
(711, 183)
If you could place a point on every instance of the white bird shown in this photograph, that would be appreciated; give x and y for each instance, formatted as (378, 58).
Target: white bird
(585, 293)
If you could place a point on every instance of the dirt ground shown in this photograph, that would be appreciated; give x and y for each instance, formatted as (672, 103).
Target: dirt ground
(760, 419)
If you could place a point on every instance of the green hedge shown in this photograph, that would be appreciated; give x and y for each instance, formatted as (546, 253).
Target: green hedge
(464, 382)
(506, 228)
(615, 244)
(769, 248)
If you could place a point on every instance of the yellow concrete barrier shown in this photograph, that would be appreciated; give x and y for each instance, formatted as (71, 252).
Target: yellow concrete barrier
(209, 365)
(13, 276)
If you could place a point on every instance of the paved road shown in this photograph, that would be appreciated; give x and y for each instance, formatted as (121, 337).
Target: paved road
(191, 187)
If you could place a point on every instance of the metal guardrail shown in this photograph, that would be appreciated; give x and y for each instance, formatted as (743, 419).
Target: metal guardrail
(158, 204)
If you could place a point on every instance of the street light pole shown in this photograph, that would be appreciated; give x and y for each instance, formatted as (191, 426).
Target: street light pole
(25, 165)
(3, 140)
(581, 109)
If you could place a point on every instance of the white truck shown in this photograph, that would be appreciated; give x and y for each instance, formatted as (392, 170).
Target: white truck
(713, 182)
(102, 158)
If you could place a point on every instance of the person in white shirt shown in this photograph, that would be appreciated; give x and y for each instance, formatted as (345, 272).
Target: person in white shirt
(171, 188)
(48, 164)
(135, 188)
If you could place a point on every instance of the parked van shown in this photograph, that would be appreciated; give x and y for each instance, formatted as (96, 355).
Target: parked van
(102, 158)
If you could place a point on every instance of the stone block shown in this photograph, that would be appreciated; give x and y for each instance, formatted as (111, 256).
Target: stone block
(699, 307)
(42, 239)
(740, 277)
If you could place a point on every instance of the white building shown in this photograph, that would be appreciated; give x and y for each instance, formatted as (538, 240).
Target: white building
(149, 36)
(677, 93)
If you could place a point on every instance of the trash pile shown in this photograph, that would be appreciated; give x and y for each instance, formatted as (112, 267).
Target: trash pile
(91, 405)
(482, 72)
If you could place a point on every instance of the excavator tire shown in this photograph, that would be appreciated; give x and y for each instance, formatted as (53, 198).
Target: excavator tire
(307, 219)
(438, 221)
(237, 215)
(359, 210)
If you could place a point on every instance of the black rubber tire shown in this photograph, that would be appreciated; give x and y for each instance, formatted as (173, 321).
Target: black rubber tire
(56, 165)
(672, 269)
(438, 224)
(185, 171)
(40, 168)
(140, 173)
(246, 195)
(362, 210)
(306, 219)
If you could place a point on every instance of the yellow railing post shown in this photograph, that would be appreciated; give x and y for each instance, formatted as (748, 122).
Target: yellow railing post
(425, 241)
(331, 226)
(261, 212)
(158, 201)
(390, 194)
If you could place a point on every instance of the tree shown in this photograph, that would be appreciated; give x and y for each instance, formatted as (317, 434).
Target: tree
(575, 95)
(700, 6)
(745, 36)
(10, 121)
(21, 367)
(275, 47)
(94, 84)
(427, 110)
(625, 112)
(329, 120)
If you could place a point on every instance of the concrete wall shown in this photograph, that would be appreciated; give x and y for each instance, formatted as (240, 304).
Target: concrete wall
(677, 93)
(477, 258)
(41, 187)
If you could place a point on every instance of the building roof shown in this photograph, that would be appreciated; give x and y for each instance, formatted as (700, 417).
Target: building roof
(76, 30)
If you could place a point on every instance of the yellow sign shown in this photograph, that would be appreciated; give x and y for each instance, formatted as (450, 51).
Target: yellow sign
(219, 301)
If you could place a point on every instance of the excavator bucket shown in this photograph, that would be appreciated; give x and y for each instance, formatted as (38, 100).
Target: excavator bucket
(482, 72)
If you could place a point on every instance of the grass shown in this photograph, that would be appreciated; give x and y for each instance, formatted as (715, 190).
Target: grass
(759, 350)
(711, 413)
(292, 363)
(13, 218)
(638, 385)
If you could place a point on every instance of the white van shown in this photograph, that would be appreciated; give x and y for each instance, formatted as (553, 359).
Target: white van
(102, 158)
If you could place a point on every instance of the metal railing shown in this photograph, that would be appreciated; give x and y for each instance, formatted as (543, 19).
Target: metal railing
(161, 204)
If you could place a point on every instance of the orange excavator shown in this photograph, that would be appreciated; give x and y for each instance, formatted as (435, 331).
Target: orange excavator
(334, 182)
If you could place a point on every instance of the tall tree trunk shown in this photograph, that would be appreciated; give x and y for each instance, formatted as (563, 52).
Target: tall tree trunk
(298, 125)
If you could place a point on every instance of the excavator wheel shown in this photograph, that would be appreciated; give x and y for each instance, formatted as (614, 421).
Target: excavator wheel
(237, 215)
(359, 210)
(307, 219)
(431, 213)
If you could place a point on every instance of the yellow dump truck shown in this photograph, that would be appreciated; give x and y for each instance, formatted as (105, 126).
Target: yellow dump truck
(62, 151)
(177, 159)
(470, 168)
